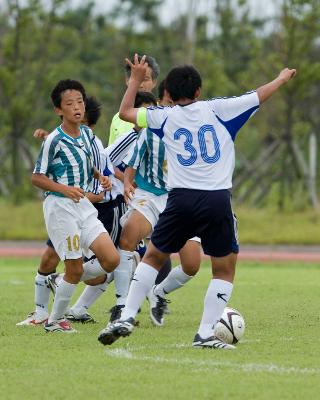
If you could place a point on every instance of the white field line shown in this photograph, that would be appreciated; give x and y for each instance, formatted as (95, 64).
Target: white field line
(205, 365)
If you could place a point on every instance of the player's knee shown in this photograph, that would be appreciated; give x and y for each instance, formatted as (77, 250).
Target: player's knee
(96, 281)
(49, 261)
(126, 243)
(110, 262)
(191, 269)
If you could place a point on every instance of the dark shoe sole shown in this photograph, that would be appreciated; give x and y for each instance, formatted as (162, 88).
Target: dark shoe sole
(108, 338)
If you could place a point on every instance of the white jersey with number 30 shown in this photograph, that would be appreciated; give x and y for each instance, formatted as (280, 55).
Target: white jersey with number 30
(199, 139)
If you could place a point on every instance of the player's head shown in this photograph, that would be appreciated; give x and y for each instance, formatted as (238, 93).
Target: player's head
(93, 112)
(150, 79)
(183, 82)
(163, 96)
(68, 98)
(145, 99)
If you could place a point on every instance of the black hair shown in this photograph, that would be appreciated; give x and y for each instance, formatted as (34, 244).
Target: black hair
(182, 82)
(152, 63)
(93, 110)
(161, 89)
(62, 86)
(144, 97)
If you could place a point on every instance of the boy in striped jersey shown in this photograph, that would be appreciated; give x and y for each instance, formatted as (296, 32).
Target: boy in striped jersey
(65, 170)
(199, 138)
(50, 259)
(113, 201)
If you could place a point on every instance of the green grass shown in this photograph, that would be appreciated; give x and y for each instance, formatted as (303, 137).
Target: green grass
(256, 226)
(278, 358)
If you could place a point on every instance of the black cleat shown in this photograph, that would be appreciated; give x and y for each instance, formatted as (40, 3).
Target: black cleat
(116, 313)
(113, 332)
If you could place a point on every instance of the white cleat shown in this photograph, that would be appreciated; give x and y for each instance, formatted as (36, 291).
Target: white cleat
(211, 343)
(59, 326)
(33, 319)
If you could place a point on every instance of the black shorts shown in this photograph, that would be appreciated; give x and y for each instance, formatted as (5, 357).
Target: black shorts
(109, 214)
(203, 213)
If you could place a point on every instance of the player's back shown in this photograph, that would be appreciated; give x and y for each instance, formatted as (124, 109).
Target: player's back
(199, 139)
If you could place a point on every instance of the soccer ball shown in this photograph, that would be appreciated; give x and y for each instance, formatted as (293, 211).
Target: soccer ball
(231, 326)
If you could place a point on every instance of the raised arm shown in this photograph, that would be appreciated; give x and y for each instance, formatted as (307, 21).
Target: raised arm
(127, 112)
(267, 90)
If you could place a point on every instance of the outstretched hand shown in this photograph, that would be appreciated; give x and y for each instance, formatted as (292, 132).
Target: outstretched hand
(40, 134)
(138, 68)
(286, 74)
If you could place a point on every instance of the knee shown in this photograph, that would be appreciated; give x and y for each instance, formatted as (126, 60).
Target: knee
(96, 281)
(110, 263)
(125, 243)
(49, 261)
(73, 274)
(191, 269)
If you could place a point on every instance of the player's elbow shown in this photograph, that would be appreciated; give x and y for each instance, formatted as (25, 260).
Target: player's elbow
(35, 179)
(123, 114)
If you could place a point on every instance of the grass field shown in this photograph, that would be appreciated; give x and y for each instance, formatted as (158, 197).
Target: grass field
(278, 357)
(256, 226)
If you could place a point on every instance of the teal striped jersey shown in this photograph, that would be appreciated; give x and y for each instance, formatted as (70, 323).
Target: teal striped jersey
(67, 160)
(148, 158)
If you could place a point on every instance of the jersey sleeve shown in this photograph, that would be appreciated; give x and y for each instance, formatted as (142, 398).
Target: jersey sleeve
(153, 118)
(234, 112)
(99, 161)
(118, 150)
(47, 153)
(137, 153)
(108, 167)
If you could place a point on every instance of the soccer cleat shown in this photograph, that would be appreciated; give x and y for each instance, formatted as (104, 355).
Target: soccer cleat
(33, 320)
(158, 305)
(59, 326)
(113, 332)
(52, 282)
(211, 342)
(116, 313)
(84, 318)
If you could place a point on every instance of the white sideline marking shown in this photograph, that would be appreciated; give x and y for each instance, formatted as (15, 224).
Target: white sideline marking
(199, 364)
(16, 282)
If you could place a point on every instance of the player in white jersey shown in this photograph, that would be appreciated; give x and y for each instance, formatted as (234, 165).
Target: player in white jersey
(50, 259)
(64, 170)
(111, 209)
(199, 138)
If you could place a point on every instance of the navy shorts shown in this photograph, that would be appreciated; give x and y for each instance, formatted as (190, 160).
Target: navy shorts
(203, 213)
(109, 214)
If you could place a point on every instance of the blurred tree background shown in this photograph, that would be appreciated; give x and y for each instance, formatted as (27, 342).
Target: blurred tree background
(234, 49)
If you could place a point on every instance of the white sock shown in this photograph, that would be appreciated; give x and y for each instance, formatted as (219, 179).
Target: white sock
(142, 281)
(41, 295)
(92, 269)
(215, 301)
(62, 298)
(175, 280)
(89, 295)
(122, 276)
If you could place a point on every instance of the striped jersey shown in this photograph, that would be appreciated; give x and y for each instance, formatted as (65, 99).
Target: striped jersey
(67, 160)
(117, 151)
(199, 139)
(103, 165)
(148, 158)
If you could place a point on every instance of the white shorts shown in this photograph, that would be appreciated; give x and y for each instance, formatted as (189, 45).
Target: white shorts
(72, 227)
(148, 204)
